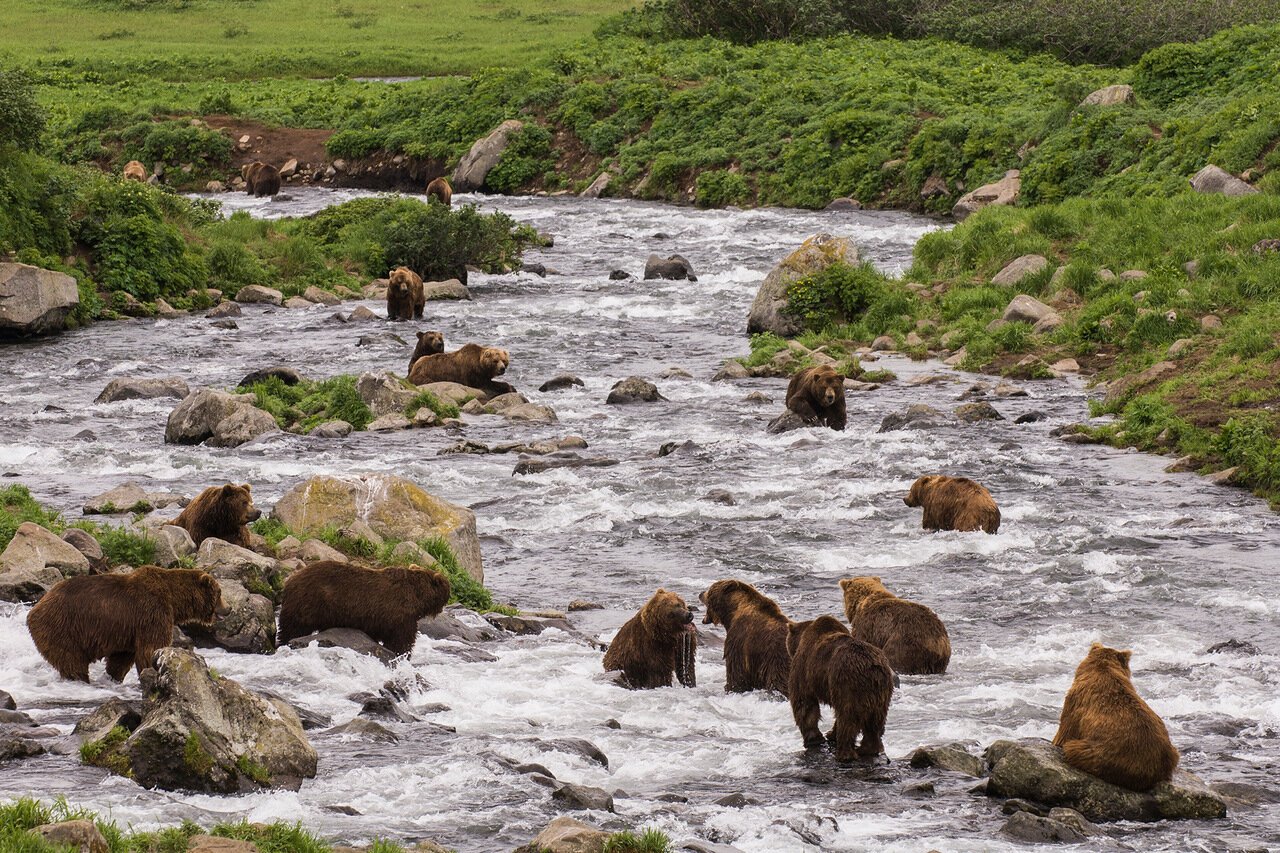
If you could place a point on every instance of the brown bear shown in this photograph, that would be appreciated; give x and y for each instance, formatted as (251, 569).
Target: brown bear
(954, 503)
(221, 512)
(405, 296)
(429, 343)
(384, 603)
(830, 667)
(471, 365)
(440, 189)
(135, 171)
(911, 635)
(1106, 729)
(656, 643)
(816, 394)
(755, 645)
(123, 618)
(260, 178)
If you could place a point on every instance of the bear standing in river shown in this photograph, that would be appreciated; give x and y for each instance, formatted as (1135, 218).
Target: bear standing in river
(384, 603)
(1106, 729)
(656, 643)
(953, 503)
(911, 635)
(123, 618)
(471, 365)
(829, 667)
(440, 190)
(221, 512)
(816, 394)
(755, 644)
(406, 299)
(260, 178)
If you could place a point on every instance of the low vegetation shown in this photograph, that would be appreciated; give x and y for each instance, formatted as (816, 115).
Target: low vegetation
(120, 546)
(306, 405)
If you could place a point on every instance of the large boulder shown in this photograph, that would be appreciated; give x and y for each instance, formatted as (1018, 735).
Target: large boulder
(221, 419)
(567, 835)
(483, 156)
(34, 561)
(243, 425)
(1025, 309)
(392, 506)
(249, 624)
(254, 294)
(1110, 96)
(1004, 191)
(34, 301)
(448, 289)
(674, 267)
(633, 389)
(129, 497)
(201, 732)
(1019, 268)
(383, 393)
(230, 562)
(1034, 769)
(768, 311)
(1212, 179)
(143, 389)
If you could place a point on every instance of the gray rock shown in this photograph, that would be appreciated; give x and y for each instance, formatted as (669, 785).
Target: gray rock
(243, 425)
(384, 393)
(248, 626)
(195, 419)
(321, 297)
(83, 542)
(143, 389)
(172, 544)
(731, 369)
(1213, 180)
(952, 756)
(674, 267)
(389, 422)
(786, 422)
(1025, 309)
(114, 712)
(768, 310)
(345, 638)
(129, 497)
(332, 429)
(363, 729)
(35, 549)
(884, 343)
(313, 551)
(583, 797)
(484, 155)
(224, 310)
(916, 416)
(566, 459)
(1018, 269)
(1110, 96)
(566, 835)
(6, 702)
(557, 383)
(80, 836)
(1003, 192)
(599, 186)
(34, 301)
(446, 626)
(1025, 826)
(231, 562)
(450, 289)
(252, 294)
(633, 389)
(972, 413)
(619, 275)
(843, 204)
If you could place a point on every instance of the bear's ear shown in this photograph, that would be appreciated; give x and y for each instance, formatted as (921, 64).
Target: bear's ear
(246, 487)
(877, 579)
(845, 583)
(1124, 657)
(1096, 646)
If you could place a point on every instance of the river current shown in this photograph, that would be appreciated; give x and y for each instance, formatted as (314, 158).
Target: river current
(1096, 545)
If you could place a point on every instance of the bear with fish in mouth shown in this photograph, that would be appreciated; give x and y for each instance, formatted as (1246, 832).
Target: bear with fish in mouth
(655, 644)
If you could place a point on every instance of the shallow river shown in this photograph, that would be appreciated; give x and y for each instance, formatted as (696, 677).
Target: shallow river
(1096, 544)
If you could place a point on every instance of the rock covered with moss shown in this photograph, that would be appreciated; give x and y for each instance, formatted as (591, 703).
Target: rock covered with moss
(769, 310)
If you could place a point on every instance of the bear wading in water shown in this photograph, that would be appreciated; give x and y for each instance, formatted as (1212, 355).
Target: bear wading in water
(829, 667)
(755, 645)
(655, 644)
(385, 604)
(816, 394)
(429, 343)
(471, 365)
(440, 190)
(1106, 730)
(221, 512)
(953, 503)
(260, 178)
(406, 299)
(911, 635)
(122, 618)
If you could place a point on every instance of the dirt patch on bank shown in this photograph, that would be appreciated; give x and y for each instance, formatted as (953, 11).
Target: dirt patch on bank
(274, 145)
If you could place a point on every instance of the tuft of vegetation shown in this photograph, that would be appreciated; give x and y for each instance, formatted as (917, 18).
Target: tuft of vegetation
(650, 840)
(18, 507)
(306, 405)
(123, 547)
(194, 756)
(252, 769)
(105, 752)
(431, 401)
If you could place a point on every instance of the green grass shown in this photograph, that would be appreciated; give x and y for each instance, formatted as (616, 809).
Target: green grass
(431, 401)
(306, 405)
(17, 507)
(647, 841)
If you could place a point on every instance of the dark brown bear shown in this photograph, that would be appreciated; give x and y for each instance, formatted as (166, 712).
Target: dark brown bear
(440, 189)
(429, 343)
(122, 618)
(830, 667)
(472, 365)
(260, 178)
(953, 503)
(656, 643)
(1106, 729)
(911, 635)
(221, 512)
(816, 394)
(405, 297)
(385, 603)
(755, 645)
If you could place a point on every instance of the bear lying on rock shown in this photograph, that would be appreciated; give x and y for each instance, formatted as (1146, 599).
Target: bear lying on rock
(123, 618)
(471, 365)
(953, 503)
(406, 298)
(656, 643)
(755, 645)
(911, 635)
(221, 512)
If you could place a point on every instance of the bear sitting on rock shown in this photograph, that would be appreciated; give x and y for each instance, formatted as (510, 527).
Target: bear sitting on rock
(755, 645)
(406, 299)
(429, 343)
(471, 365)
(122, 618)
(221, 512)
(385, 604)
(829, 667)
(816, 394)
(656, 643)
(954, 503)
(1106, 729)
(911, 635)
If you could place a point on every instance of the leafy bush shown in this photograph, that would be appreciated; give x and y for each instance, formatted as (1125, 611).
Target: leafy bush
(36, 200)
(840, 293)
(1250, 442)
(721, 187)
(177, 142)
(526, 158)
(306, 405)
(21, 118)
(17, 507)
(431, 401)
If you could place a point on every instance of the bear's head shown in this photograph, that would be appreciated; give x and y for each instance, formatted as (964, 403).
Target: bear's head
(236, 503)
(429, 588)
(400, 280)
(494, 361)
(920, 489)
(250, 167)
(725, 599)
(429, 343)
(1101, 657)
(826, 384)
(666, 613)
(195, 596)
(803, 633)
(858, 591)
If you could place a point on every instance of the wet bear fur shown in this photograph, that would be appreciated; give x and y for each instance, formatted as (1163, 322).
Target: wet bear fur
(405, 297)
(911, 635)
(1106, 730)
(122, 618)
(471, 365)
(221, 512)
(830, 667)
(647, 648)
(429, 343)
(440, 189)
(385, 603)
(816, 394)
(260, 178)
(953, 503)
(755, 645)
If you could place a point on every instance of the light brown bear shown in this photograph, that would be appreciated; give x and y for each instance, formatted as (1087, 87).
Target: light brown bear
(953, 503)
(816, 394)
(440, 189)
(655, 644)
(406, 298)
(123, 618)
(471, 365)
(755, 645)
(830, 667)
(1106, 729)
(221, 512)
(429, 343)
(135, 171)
(911, 635)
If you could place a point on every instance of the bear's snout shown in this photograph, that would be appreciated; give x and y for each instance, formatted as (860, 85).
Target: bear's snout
(254, 514)
(688, 617)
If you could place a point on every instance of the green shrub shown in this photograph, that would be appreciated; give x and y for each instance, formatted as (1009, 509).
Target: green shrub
(839, 293)
(306, 405)
(125, 547)
(525, 159)
(764, 347)
(720, 187)
(431, 401)
(651, 840)
(177, 143)
(1250, 442)
(466, 590)
(17, 507)
(21, 118)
